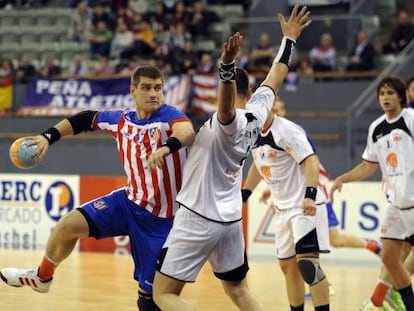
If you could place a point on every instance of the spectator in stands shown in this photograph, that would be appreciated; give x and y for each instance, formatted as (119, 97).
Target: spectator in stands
(178, 35)
(402, 33)
(169, 6)
(323, 56)
(362, 54)
(181, 15)
(25, 71)
(186, 59)
(201, 19)
(264, 52)
(80, 23)
(100, 40)
(122, 15)
(144, 37)
(163, 58)
(101, 14)
(103, 67)
(206, 64)
(6, 68)
(133, 64)
(50, 68)
(78, 67)
(137, 6)
(122, 43)
(157, 16)
(410, 92)
(242, 60)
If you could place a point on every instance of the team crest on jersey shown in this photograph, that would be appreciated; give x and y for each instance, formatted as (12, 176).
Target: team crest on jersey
(396, 137)
(154, 134)
(272, 154)
(100, 204)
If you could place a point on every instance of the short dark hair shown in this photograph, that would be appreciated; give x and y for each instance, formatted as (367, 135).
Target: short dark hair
(146, 71)
(242, 82)
(397, 84)
(409, 81)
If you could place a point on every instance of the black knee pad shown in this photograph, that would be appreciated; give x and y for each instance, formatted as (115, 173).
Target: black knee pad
(146, 303)
(311, 271)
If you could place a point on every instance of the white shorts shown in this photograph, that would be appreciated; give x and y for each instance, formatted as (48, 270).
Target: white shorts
(398, 224)
(292, 225)
(193, 240)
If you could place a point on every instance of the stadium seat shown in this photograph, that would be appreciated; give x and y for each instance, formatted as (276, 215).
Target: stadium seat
(382, 61)
(205, 45)
(29, 37)
(233, 11)
(9, 38)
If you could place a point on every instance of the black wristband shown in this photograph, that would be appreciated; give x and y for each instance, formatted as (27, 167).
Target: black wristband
(311, 193)
(246, 193)
(286, 51)
(51, 134)
(227, 72)
(172, 143)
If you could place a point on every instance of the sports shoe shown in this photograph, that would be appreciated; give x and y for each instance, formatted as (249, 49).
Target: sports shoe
(21, 277)
(393, 298)
(367, 305)
(331, 293)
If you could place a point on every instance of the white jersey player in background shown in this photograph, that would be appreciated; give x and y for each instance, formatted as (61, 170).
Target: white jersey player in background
(208, 225)
(390, 147)
(285, 158)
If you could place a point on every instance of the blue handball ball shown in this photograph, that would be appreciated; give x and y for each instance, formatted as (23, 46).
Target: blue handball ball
(21, 154)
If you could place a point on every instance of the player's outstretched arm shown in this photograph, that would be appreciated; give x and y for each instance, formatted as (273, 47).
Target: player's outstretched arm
(291, 29)
(67, 127)
(360, 172)
(226, 96)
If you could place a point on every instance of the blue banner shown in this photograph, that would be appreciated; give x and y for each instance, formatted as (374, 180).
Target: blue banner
(63, 97)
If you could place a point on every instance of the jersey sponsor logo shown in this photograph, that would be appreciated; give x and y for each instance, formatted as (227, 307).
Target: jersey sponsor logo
(392, 160)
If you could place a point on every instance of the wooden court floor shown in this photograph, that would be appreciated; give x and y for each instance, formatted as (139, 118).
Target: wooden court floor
(100, 281)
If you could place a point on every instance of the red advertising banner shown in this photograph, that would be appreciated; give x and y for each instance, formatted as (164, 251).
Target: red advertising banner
(92, 187)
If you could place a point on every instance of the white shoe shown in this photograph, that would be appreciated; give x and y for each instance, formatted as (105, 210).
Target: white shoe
(21, 277)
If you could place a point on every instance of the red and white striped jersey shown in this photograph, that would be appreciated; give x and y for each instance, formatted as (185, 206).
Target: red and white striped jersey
(136, 141)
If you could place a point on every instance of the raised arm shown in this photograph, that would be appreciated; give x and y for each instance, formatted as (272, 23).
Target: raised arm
(291, 29)
(226, 96)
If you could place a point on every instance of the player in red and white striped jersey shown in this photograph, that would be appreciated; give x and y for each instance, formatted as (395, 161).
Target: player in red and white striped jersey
(149, 141)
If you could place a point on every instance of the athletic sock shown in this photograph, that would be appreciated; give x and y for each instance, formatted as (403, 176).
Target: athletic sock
(322, 308)
(380, 291)
(298, 308)
(372, 246)
(407, 296)
(46, 269)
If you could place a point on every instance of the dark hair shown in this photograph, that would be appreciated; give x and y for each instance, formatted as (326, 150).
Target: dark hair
(242, 82)
(146, 71)
(409, 81)
(397, 84)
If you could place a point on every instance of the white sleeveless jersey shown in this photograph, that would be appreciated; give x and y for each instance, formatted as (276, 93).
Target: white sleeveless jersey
(390, 144)
(280, 151)
(213, 172)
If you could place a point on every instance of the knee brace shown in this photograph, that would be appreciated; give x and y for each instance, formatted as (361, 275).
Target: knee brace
(311, 271)
(146, 303)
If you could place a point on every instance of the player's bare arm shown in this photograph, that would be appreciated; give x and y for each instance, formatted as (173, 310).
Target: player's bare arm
(360, 172)
(227, 87)
(67, 127)
(291, 29)
(311, 168)
(182, 135)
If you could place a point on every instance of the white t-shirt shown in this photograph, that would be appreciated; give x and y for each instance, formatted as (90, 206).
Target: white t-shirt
(390, 143)
(213, 172)
(280, 151)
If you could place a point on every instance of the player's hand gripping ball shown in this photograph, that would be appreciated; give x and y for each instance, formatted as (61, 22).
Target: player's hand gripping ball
(21, 154)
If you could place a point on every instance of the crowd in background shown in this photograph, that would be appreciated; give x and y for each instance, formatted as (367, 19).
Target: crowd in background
(122, 34)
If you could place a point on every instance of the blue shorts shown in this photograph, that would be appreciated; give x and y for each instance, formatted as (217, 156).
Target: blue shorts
(114, 215)
(332, 220)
